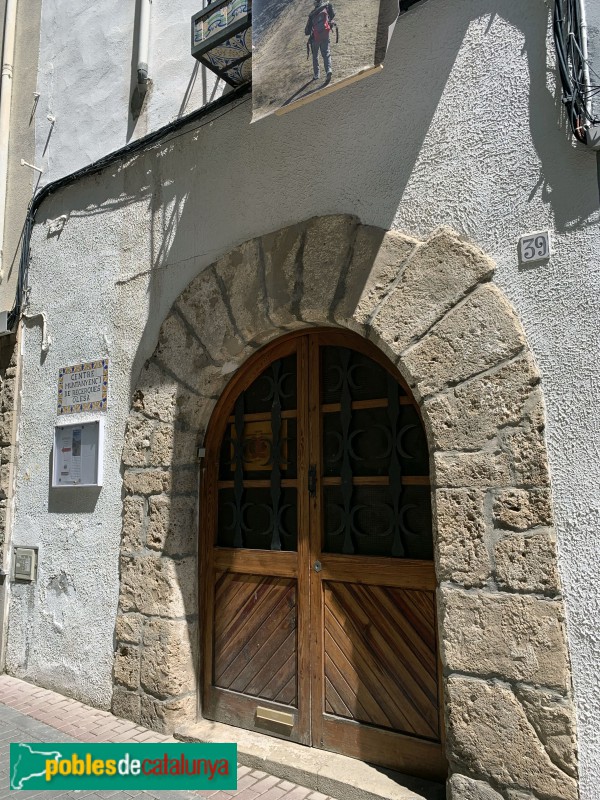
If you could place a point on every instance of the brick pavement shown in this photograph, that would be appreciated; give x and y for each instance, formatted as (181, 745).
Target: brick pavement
(32, 714)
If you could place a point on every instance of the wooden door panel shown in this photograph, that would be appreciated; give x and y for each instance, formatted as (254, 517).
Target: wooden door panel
(255, 646)
(318, 574)
(408, 754)
(401, 572)
(392, 687)
(256, 562)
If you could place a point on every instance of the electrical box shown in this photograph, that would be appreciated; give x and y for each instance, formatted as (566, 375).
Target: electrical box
(78, 454)
(25, 567)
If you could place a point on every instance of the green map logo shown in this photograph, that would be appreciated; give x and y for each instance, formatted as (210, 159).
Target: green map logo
(66, 767)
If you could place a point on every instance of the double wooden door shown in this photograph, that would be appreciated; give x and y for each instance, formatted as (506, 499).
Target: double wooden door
(316, 560)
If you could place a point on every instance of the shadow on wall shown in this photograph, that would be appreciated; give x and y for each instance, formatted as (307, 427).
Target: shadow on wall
(562, 165)
(207, 189)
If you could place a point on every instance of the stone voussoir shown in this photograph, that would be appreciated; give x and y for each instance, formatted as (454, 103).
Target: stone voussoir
(510, 636)
(134, 511)
(164, 716)
(468, 416)
(180, 351)
(326, 254)
(156, 394)
(205, 307)
(524, 445)
(489, 734)
(474, 336)
(168, 657)
(522, 509)
(376, 260)
(462, 788)
(436, 276)
(553, 718)
(158, 586)
(394, 251)
(281, 254)
(477, 469)
(461, 546)
(527, 562)
(240, 272)
(486, 434)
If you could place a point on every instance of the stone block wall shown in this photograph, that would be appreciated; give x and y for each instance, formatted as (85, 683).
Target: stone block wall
(8, 373)
(432, 308)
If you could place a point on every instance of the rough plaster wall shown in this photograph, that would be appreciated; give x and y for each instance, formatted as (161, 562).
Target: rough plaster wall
(461, 128)
(88, 88)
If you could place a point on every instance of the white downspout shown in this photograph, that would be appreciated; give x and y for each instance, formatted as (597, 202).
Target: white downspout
(8, 57)
(143, 44)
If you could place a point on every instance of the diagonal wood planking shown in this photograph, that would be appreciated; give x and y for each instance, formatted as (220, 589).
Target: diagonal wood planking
(256, 650)
(380, 657)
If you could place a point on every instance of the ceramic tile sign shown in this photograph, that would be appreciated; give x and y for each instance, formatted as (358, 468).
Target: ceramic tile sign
(304, 49)
(83, 387)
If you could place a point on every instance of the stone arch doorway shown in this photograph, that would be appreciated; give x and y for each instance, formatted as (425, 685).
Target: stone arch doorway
(432, 308)
(318, 609)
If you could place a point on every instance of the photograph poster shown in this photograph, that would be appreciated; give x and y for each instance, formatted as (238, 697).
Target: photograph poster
(302, 49)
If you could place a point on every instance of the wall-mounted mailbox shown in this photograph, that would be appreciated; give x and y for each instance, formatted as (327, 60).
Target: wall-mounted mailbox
(25, 566)
(78, 454)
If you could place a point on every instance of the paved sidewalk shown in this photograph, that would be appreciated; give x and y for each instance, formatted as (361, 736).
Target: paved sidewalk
(31, 714)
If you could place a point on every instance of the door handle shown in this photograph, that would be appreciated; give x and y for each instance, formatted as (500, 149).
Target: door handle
(312, 480)
(317, 566)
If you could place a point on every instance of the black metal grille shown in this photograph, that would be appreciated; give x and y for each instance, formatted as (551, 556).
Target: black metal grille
(374, 462)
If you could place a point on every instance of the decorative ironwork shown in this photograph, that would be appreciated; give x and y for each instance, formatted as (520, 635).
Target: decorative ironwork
(375, 491)
(346, 470)
(395, 469)
(222, 39)
(238, 480)
(255, 446)
(312, 480)
(275, 453)
(367, 447)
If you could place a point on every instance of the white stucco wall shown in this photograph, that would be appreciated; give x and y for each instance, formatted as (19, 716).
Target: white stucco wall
(462, 128)
(88, 74)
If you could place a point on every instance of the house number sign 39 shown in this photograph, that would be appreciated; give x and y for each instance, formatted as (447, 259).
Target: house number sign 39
(535, 247)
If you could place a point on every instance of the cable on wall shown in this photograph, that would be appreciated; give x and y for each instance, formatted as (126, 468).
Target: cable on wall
(161, 135)
(580, 83)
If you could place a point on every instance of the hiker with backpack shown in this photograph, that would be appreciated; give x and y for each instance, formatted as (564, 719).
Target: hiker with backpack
(319, 26)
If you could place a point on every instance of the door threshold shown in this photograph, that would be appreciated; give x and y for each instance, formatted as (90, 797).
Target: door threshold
(329, 773)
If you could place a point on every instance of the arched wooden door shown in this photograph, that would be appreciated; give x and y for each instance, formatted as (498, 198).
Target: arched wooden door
(317, 573)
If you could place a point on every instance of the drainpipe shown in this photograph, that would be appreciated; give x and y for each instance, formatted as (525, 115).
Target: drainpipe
(142, 49)
(8, 56)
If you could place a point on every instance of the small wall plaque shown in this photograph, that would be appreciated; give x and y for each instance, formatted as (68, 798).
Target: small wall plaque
(535, 247)
(83, 387)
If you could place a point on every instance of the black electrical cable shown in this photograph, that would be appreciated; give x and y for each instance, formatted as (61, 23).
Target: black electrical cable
(160, 135)
(577, 89)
